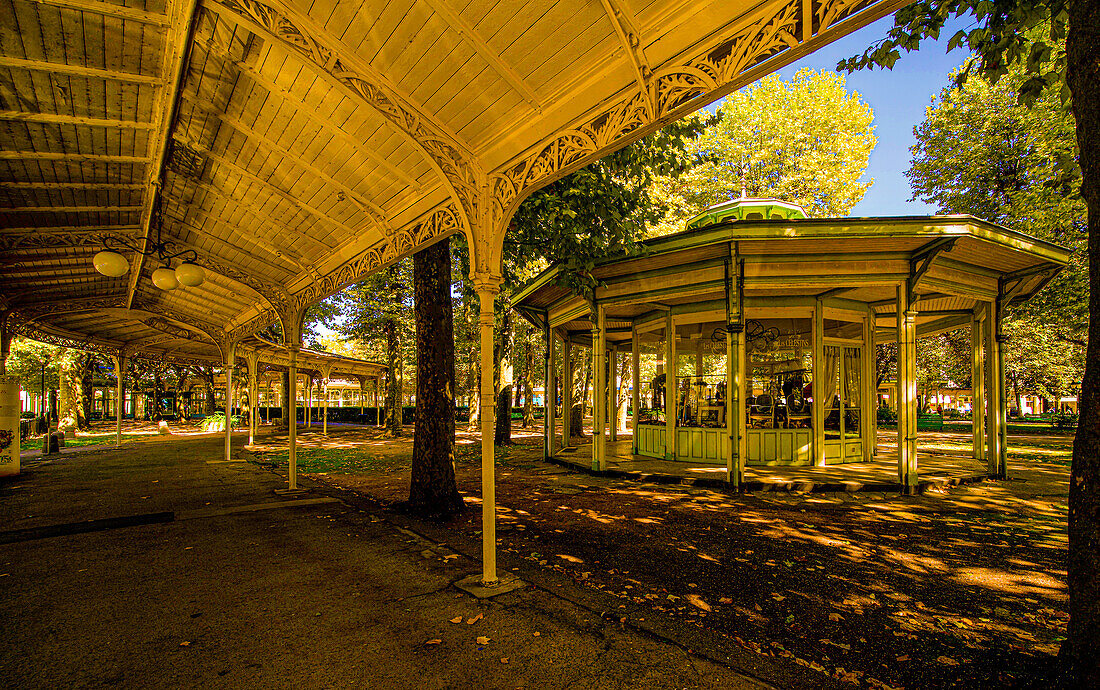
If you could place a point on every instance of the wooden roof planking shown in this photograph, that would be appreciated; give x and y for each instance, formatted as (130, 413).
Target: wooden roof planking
(298, 146)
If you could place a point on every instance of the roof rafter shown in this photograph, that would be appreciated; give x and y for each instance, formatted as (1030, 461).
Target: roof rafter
(71, 185)
(70, 209)
(471, 36)
(315, 116)
(376, 214)
(451, 159)
(79, 71)
(625, 28)
(76, 157)
(268, 186)
(108, 10)
(174, 61)
(55, 119)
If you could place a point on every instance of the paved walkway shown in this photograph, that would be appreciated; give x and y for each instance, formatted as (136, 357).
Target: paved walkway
(162, 565)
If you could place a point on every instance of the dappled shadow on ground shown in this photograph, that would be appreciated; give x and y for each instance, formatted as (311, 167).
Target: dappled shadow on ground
(963, 587)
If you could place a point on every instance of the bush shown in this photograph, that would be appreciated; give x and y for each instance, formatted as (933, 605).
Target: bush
(216, 422)
(886, 416)
(952, 414)
(1064, 421)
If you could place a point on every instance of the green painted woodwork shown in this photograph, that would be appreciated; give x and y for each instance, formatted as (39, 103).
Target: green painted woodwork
(747, 209)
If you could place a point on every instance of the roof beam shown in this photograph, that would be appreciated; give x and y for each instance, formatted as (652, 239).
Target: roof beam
(251, 15)
(190, 227)
(271, 188)
(70, 209)
(108, 10)
(79, 71)
(624, 23)
(471, 36)
(55, 119)
(174, 61)
(316, 117)
(377, 215)
(297, 35)
(75, 157)
(72, 185)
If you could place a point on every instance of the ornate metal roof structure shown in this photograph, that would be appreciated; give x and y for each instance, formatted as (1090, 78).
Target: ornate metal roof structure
(295, 147)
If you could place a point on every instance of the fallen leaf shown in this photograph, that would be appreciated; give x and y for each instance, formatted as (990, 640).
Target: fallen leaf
(434, 642)
(475, 619)
(698, 602)
(725, 600)
(835, 617)
(536, 633)
(483, 640)
(504, 659)
(903, 657)
(947, 661)
(456, 619)
(185, 644)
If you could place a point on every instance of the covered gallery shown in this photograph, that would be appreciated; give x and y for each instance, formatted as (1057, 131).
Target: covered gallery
(752, 333)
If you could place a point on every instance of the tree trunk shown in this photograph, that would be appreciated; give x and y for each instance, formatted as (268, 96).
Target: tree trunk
(1078, 653)
(393, 386)
(433, 489)
(503, 431)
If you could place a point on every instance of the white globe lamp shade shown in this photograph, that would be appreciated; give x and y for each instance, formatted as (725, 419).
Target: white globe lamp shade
(111, 264)
(165, 279)
(190, 275)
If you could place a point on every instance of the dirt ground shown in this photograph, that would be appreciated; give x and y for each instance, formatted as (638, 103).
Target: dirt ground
(960, 587)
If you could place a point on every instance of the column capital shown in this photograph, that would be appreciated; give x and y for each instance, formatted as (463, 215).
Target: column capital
(487, 283)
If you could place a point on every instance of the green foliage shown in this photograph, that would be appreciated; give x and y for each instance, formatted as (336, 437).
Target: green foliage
(26, 360)
(598, 211)
(1026, 37)
(216, 422)
(978, 152)
(806, 140)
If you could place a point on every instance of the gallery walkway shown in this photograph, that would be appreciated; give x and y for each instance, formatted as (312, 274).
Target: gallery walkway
(196, 574)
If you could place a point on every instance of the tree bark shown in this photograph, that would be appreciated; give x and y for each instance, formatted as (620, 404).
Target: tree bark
(1078, 655)
(393, 386)
(503, 429)
(433, 489)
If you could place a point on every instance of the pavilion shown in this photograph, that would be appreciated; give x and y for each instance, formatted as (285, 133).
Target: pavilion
(244, 159)
(756, 329)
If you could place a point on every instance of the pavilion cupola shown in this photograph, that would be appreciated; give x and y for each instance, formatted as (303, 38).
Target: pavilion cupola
(747, 208)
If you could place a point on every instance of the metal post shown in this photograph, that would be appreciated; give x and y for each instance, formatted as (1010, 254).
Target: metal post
(230, 360)
(671, 392)
(325, 409)
(599, 390)
(567, 394)
(120, 369)
(635, 393)
(292, 423)
(548, 394)
(977, 383)
(817, 384)
(487, 294)
(907, 390)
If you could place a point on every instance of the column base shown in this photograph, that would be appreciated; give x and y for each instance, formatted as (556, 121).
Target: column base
(474, 586)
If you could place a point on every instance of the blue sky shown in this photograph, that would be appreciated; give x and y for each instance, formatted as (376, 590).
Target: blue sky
(898, 98)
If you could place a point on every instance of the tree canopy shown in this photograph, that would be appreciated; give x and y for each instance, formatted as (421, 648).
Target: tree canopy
(806, 140)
